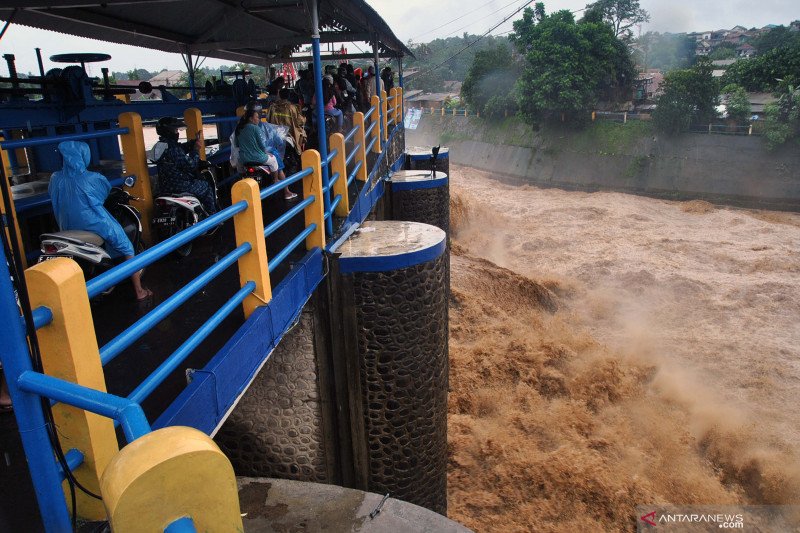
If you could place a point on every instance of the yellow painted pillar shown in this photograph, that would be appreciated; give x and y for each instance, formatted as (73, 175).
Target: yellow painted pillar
(194, 129)
(336, 142)
(125, 98)
(361, 140)
(402, 103)
(454, 111)
(395, 108)
(315, 212)
(594, 115)
(240, 111)
(7, 172)
(249, 227)
(385, 110)
(169, 474)
(69, 351)
(135, 159)
(374, 119)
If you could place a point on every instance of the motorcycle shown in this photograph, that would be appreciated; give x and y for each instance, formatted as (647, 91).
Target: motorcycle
(174, 213)
(86, 247)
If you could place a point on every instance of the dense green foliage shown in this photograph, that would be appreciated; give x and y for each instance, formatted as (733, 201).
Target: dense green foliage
(440, 60)
(690, 96)
(568, 66)
(723, 51)
(489, 85)
(621, 15)
(737, 103)
(761, 73)
(783, 117)
(665, 51)
(776, 38)
(134, 74)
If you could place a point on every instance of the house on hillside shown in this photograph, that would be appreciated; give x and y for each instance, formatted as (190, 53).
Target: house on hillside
(795, 25)
(431, 100)
(166, 77)
(746, 50)
(720, 66)
(758, 101)
(703, 48)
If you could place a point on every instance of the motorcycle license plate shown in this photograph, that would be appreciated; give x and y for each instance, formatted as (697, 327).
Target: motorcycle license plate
(43, 258)
(163, 220)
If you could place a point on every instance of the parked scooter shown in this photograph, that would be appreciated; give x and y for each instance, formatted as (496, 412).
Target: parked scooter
(174, 213)
(85, 247)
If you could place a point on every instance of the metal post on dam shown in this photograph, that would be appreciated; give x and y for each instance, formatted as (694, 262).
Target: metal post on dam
(326, 388)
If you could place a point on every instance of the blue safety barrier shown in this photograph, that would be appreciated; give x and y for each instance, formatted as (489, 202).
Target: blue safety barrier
(55, 139)
(192, 407)
(349, 136)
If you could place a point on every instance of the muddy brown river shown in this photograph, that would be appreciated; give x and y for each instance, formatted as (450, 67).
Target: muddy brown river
(611, 350)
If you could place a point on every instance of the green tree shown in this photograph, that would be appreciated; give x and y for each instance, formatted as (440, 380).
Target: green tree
(782, 122)
(620, 14)
(737, 103)
(489, 85)
(690, 96)
(779, 37)
(723, 51)
(568, 66)
(761, 73)
(135, 74)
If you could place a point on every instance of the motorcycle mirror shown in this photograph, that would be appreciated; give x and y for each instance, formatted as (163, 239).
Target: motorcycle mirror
(435, 151)
(130, 181)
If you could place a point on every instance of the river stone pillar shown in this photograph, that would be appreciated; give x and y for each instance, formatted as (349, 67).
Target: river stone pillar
(419, 158)
(278, 428)
(421, 196)
(392, 280)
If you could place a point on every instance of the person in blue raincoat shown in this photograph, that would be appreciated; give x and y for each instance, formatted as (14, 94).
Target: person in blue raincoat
(78, 196)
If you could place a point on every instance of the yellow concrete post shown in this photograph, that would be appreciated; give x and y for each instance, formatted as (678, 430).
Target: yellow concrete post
(240, 111)
(361, 140)
(135, 159)
(194, 129)
(402, 103)
(336, 142)
(594, 115)
(124, 98)
(249, 227)
(431, 110)
(625, 118)
(750, 130)
(375, 119)
(69, 351)
(6, 162)
(385, 118)
(442, 110)
(169, 474)
(315, 212)
(395, 108)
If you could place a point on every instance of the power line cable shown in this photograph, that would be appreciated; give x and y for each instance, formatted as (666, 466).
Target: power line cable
(480, 19)
(459, 18)
(523, 6)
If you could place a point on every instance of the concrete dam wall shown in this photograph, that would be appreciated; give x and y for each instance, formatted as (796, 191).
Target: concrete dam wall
(724, 169)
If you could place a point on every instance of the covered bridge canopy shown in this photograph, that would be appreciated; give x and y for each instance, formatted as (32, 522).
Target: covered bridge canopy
(249, 31)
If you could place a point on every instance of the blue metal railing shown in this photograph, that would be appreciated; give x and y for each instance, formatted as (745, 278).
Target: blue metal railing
(370, 128)
(283, 254)
(53, 139)
(349, 136)
(352, 175)
(218, 120)
(150, 383)
(112, 277)
(266, 192)
(353, 153)
(128, 413)
(330, 157)
(371, 143)
(288, 215)
(125, 339)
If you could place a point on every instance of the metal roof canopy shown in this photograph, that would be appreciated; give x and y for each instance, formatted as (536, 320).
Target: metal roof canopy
(248, 31)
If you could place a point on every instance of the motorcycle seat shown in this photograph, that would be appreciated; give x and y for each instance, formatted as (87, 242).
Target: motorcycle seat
(77, 236)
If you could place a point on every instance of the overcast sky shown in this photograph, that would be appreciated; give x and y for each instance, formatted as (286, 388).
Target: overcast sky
(422, 21)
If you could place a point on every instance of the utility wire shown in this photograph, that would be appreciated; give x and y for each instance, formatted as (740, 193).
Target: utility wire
(523, 6)
(480, 19)
(459, 18)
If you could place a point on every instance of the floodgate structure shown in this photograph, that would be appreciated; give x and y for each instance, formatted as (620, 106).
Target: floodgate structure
(292, 371)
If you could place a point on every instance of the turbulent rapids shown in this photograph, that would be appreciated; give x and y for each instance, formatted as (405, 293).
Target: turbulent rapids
(609, 351)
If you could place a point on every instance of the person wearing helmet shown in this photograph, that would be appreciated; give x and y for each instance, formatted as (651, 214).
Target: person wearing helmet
(177, 164)
(78, 196)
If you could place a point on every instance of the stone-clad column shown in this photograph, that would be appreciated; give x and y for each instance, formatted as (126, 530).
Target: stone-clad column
(393, 276)
(421, 196)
